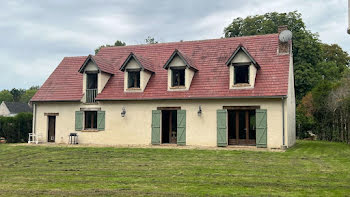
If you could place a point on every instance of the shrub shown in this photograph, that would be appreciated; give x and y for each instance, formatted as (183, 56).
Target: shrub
(16, 129)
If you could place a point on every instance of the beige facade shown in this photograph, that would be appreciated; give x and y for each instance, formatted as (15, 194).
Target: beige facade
(135, 127)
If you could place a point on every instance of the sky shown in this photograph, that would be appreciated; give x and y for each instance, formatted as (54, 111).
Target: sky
(36, 35)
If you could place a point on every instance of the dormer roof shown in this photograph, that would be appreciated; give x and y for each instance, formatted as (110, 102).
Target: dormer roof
(241, 48)
(144, 63)
(102, 64)
(187, 60)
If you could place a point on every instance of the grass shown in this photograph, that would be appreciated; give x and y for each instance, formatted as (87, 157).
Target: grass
(309, 168)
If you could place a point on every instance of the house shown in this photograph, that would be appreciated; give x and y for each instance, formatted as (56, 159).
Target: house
(13, 108)
(218, 92)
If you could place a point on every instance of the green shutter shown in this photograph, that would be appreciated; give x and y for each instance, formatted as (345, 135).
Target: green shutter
(221, 115)
(79, 120)
(181, 127)
(261, 128)
(101, 120)
(155, 127)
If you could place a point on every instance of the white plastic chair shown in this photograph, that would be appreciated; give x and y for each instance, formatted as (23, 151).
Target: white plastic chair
(34, 138)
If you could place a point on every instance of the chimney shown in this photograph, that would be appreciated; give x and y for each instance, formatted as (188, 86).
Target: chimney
(284, 40)
(281, 28)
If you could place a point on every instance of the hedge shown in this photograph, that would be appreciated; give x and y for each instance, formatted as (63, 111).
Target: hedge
(16, 129)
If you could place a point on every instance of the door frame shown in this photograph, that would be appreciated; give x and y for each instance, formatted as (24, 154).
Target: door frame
(236, 110)
(161, 122)
(49, 117)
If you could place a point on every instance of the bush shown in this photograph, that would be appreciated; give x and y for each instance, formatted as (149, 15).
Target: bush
(16, 129)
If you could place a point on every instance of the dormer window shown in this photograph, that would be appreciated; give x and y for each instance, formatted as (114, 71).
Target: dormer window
(96, 73)
(178, 77)
(242, 68)
(137, 72)
(241, 75)
(181, 71)
(133, 79)
(91, 87)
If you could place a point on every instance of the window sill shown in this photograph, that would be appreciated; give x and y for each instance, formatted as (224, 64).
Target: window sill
(133, 89)
(90, 130)
(241, 85)
(178, 87)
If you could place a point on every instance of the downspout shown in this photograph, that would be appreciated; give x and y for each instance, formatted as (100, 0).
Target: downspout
(34, 119)
(283, 132)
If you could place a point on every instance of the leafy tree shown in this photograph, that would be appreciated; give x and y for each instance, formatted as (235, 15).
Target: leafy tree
(117, 43)
(16, 94)
(151, 40)
(306, 45)
(25, 98)
(5, 95)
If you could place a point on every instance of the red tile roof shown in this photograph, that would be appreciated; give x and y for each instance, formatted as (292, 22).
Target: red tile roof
(64, 84)
(210, 81)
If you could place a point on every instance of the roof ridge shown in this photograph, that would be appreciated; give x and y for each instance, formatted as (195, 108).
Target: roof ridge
(188, 41)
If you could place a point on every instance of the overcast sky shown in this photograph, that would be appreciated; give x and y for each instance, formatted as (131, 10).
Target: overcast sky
(36, 35)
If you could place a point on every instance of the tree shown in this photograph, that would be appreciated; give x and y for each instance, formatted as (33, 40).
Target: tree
(17, 93)
(117, 43)
(150, 40)
(5, 95)
(306, 45)
(25, 98)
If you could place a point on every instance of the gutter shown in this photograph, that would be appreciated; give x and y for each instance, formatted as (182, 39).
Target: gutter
(196, 98)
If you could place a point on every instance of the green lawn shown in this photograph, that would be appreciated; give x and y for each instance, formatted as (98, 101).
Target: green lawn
(309, 168)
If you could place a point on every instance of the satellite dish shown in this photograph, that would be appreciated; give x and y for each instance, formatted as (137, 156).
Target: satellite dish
(285, 36)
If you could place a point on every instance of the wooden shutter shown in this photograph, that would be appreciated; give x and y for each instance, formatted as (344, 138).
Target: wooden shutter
(79, 120)
(155, 127)
(261, 128)
(221, 115)
(101, 120)
(181, 127)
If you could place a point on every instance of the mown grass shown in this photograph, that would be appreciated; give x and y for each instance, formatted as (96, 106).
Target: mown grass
(309, 168)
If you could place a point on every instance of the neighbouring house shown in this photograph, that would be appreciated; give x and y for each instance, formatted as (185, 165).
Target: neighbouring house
(13, 108)
(218, 92)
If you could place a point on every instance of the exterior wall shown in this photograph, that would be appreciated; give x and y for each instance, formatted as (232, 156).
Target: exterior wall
(102, 81)
(144, 77)
(91, 67)
(241, 57)
(189, 73)
(290, 108)
(4, 110)
(135, 127)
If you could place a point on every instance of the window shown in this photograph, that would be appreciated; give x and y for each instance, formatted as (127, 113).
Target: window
(134, 79)
(241, 74)
(90, 119)
(178, 77)
(91, 81)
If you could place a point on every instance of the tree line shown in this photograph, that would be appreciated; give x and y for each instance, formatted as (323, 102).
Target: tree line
(18, 95)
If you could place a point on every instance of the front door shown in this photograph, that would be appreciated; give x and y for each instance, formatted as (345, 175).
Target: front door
(241, 127)
(52, 128)
(169, 126)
